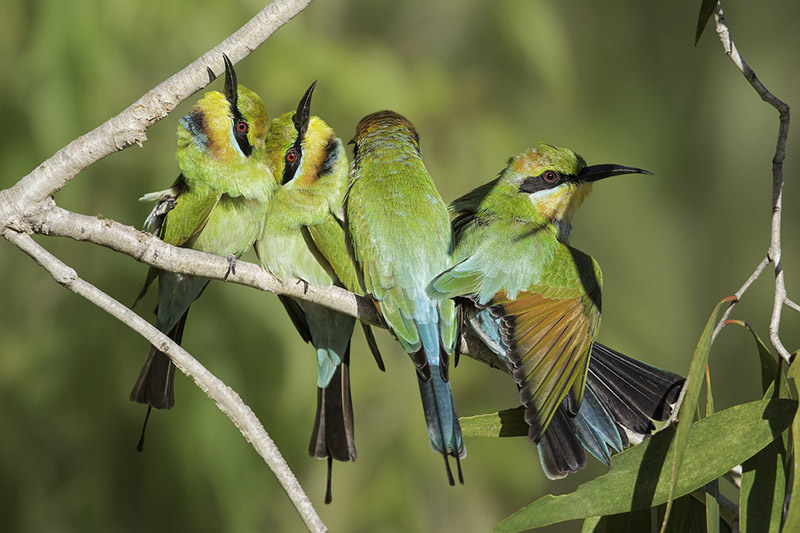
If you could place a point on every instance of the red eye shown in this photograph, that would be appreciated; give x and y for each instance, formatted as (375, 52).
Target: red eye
(241, 126)
(550, 176)
(291, 157)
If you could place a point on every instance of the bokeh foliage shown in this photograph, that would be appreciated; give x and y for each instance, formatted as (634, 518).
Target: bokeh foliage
(617, 81)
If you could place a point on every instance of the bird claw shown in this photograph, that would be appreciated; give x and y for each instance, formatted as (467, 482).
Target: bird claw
(231, 267)
(305, 285)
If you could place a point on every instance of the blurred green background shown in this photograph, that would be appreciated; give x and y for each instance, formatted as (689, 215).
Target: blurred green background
(616, 81)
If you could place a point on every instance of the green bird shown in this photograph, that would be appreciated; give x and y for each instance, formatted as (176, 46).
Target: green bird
(401, 238)
(536, 301)
(216, 205)
(302, 237)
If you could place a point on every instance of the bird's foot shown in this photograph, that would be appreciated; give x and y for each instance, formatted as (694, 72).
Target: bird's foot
(305, 285)
(231, 267)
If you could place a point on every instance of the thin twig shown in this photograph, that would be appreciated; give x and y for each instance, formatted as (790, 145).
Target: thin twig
(738, 294)
(774, 253)
(792, 305)
(223, 396)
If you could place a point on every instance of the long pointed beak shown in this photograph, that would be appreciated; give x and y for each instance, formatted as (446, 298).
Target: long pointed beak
(303, 114)
(598, 172)
(231, 86)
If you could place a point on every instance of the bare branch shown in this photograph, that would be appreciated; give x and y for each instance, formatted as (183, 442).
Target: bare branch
(149, 249)
(226, 398)
(774, 253)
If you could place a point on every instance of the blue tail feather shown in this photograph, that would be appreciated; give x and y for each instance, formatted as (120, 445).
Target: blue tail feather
(444, 430)
(330, 333)
(596, 429)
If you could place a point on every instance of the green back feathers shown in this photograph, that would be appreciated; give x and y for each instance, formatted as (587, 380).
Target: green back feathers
(398, 259)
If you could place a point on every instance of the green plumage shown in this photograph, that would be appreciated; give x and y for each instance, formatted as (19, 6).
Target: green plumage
(302, 237)
(534, 299)
(401, 238)
(217, 205)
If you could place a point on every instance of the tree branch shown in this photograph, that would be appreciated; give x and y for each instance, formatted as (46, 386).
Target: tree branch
(774, 252)
(226, 398)
(149, 249)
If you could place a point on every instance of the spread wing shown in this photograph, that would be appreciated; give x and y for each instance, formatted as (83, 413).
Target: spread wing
(547, 327)
(549, 333)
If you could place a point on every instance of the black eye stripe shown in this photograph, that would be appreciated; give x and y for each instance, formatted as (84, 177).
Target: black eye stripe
(290, 167)
(241, 136)
(538, 183)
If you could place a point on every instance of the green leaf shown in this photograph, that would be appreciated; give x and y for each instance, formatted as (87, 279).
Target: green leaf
(508, 423)
(640, 476)
(593, 524)
(763, 489)
(712, 507)
(712, 489)
(688, 516)
(706, 9)
(769, 365)
(792, 522)
(764, 475)
(694, 381)
(632, 522)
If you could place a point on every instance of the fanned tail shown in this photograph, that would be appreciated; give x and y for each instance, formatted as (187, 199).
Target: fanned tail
(621, 394)
(154, 386)
(332, 436)
(635, 393)
(561, 449)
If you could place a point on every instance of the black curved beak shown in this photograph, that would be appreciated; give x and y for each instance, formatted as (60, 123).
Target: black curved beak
(303, 114)
(231, 85)
(598, 172)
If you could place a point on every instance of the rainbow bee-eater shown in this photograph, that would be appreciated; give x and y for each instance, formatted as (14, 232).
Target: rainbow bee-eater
(303, 238)
(536, 301)
(401, 238)
(217, 205)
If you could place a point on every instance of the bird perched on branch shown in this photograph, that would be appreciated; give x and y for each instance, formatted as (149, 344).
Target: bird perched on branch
(216, 205)
(401, 237)
(303, 238)
(536, 301)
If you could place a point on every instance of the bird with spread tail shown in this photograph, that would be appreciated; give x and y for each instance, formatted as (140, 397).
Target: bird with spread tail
(535, 301)
(216, 205)
(401, 238)
(303, 238)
